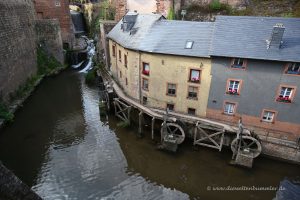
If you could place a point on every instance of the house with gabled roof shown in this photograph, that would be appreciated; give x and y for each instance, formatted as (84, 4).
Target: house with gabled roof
(234, 68)
(161, 63)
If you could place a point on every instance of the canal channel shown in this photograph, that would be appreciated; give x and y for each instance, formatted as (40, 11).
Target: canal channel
(60, 146)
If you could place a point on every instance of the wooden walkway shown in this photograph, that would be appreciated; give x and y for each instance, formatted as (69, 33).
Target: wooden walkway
(159, 114)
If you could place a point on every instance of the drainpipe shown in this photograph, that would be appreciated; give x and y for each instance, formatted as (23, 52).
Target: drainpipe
(140, 89)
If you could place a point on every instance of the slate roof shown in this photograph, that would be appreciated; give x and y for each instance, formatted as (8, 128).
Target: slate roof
(157, 35)
(170, 37)
(228, 36)
(132, 41)
(245, 37)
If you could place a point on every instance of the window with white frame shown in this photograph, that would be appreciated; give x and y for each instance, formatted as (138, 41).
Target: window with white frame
(57, 3)
(233, 87)
(171, 90)
(285, 94)
(192, 92)
(238, 63)
(293, 68)
(229, 108)
(268, 116)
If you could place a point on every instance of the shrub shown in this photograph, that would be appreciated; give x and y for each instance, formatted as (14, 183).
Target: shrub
(215, 5)
(46, 64)
(90, 77)
(171, 14)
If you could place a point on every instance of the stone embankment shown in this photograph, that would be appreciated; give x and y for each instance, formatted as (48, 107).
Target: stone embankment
(12, 188)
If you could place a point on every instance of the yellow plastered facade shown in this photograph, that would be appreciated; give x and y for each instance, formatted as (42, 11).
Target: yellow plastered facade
(164, 69)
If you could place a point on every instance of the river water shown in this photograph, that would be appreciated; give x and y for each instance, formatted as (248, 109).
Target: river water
(61, 148)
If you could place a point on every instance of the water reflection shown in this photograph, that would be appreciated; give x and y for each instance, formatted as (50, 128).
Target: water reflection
(288, 189)
(60, 147)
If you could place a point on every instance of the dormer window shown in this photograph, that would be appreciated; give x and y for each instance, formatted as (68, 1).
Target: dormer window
(189, 44)
(238, 63)
(293, 68)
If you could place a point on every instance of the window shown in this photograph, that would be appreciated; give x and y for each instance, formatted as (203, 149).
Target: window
(194, 76)
(145, 84)
(238, 63)
(125, 60)
(145, 99)
(229, 108)
(146, 69)
(268, 116)
(293, 68)
(120, 56)
(171, 90)
(189, 44)
(126, 81)
(192, 92)
(114, 50)
(191, 111)
(57, 3)
(170, 107)
(285, 94)
(120, 74)
(233, 87)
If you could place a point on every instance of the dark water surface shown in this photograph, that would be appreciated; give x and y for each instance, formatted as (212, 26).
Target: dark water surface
(59, 146)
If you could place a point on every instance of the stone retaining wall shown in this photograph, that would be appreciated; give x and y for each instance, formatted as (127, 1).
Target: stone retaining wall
(17, 45)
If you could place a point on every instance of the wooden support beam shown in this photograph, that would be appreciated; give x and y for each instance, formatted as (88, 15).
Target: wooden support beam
(152, 128)
(140, 123)
(206, 137)
(128, 114)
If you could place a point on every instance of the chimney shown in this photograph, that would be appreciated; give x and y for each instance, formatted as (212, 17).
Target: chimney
(275, 40)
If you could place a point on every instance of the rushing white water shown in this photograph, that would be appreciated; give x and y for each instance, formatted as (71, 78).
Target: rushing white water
(78, 65)
(88, 67)
(91, 51)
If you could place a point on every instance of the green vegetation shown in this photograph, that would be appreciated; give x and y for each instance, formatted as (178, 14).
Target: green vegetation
(278, 8)
(98, 12)
(215, 5)
(90, 77)
(4, 113)
(171, 14)
(46, 64)
(25, 88)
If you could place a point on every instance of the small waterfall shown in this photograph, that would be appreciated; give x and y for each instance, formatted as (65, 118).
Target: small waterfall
(90, 51)
(78, 21)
